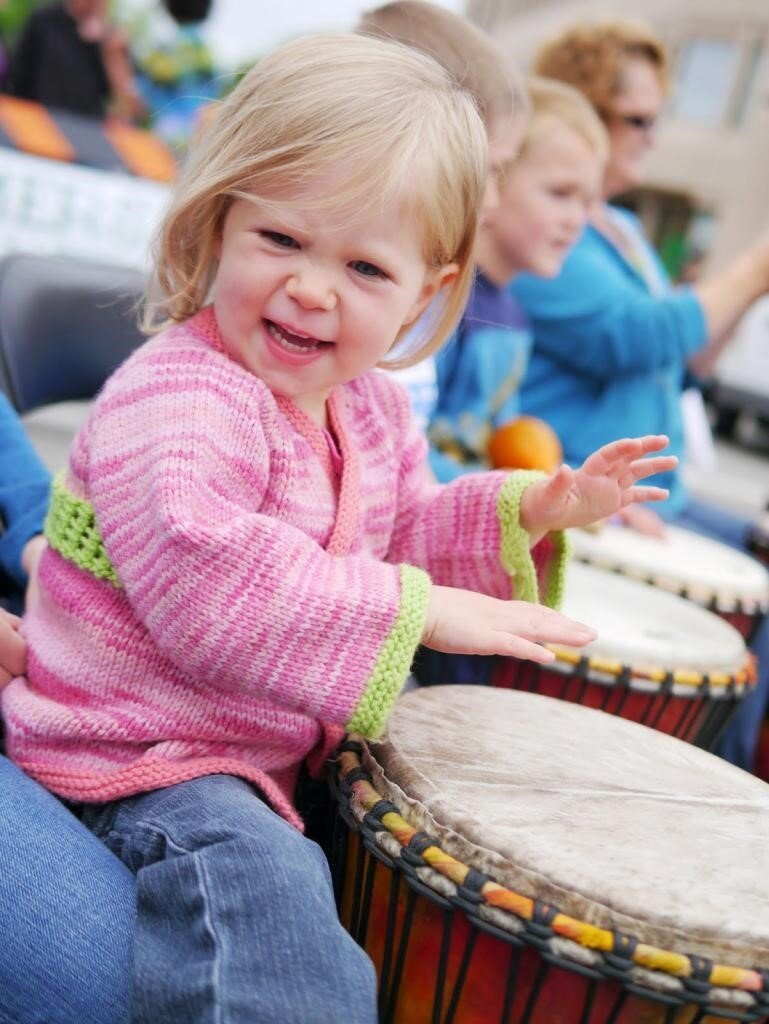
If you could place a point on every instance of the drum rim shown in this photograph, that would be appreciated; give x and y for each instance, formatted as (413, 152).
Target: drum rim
(611, 672)
(697, 975)
(699, 594)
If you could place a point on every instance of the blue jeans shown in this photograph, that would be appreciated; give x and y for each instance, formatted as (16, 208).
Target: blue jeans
(236, 915)
(738, 743)
(66, 914)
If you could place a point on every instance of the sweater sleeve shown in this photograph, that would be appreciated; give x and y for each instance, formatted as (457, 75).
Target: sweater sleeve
(185, 493)
(598, 319)
(24, 489)
(467, 533)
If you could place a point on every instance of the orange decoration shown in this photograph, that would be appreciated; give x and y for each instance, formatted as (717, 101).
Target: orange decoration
(526, 443)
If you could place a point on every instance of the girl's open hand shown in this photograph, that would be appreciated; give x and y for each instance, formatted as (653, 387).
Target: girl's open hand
(604, 484)
(13, 650)
(463, 622)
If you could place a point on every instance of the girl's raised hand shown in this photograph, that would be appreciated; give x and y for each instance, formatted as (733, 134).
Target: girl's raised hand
(604, 484)
(464, 622)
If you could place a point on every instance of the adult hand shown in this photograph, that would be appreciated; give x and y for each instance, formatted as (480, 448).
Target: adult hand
(464, 622)
(604, 484)
(13, 650)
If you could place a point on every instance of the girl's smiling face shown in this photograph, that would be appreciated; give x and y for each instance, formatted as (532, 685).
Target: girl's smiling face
(308, 300)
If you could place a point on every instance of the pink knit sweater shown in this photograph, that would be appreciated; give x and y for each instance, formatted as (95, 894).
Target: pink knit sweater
(215, 599)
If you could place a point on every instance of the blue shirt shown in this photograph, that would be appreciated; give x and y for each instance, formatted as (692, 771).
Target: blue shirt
(479, 373)
(24, 487)
(609, 356)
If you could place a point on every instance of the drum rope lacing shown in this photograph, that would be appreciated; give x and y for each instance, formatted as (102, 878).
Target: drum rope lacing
(667, 678)
(673, 979)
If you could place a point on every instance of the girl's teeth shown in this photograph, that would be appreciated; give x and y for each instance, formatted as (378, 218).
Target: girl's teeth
(282, 339)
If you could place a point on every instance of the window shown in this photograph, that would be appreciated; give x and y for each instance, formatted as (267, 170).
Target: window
(752, 83)
(705, 75)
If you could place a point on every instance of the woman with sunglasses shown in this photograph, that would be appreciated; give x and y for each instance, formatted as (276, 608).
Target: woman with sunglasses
(613, 340)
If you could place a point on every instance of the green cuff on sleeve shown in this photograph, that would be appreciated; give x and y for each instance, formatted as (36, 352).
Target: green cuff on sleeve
(394, 660)
(515, 554)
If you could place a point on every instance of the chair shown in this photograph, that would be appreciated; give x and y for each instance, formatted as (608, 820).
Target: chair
(65, 325)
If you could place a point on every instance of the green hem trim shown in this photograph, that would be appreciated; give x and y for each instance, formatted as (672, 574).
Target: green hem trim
(394, 660)
(556, 578)
(515, 552)
(71, 529)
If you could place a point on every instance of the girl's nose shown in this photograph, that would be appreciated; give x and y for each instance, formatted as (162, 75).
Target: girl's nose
(312, 290)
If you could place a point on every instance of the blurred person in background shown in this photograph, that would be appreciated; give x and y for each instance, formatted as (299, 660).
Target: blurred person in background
(64, 958)
(176, 73)
(613, 340)
(70, 56)
(474, 60)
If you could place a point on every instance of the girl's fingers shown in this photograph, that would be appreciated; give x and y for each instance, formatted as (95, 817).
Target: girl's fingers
(642, 468)
(569, 634)
(518, 647)
(561, 480)
(615, 453)
(543, 625)
(642, 494)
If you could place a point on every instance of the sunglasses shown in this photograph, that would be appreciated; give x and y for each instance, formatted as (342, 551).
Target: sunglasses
(641, 122)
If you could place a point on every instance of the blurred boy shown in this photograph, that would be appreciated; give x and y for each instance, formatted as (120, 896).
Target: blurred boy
(545, 199)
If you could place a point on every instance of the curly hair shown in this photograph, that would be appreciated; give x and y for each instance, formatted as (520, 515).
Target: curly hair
(592, 58)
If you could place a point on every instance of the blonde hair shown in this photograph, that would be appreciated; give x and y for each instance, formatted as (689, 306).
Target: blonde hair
(593, 58)
(553, 101)
(390, 122)
(470, 56)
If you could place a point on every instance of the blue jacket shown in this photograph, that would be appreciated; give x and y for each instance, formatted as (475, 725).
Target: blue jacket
(608, 357)
(24, 486)
(479, 373)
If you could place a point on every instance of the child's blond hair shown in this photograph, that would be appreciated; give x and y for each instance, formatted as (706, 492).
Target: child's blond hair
(470, 56)
(393, 125)
(555, 102)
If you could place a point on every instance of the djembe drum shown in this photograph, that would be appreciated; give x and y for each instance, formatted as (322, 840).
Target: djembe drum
(658, 659)
(759, 538)
(713, 575)
(506, 857)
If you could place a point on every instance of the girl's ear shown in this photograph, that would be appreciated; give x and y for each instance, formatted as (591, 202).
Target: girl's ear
(435, 280)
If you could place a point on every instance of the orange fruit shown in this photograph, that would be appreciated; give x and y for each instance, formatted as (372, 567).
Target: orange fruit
(525, 443)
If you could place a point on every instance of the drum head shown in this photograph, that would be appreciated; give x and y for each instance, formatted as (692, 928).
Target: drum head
(647, 628)
(683, 561)
(611, 822)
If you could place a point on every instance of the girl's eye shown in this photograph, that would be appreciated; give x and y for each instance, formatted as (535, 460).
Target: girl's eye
(367, 269)
(279, 239)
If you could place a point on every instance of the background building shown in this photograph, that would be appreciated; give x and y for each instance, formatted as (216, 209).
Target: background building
(707, 187)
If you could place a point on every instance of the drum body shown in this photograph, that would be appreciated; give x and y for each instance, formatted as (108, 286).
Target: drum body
(725, 581)
(508, 858)
(658, 660)
(759, 538)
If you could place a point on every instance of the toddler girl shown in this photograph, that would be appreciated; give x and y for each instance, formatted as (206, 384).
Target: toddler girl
(247, 547)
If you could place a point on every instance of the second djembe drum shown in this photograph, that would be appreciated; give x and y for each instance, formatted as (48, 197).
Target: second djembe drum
(658, 659)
